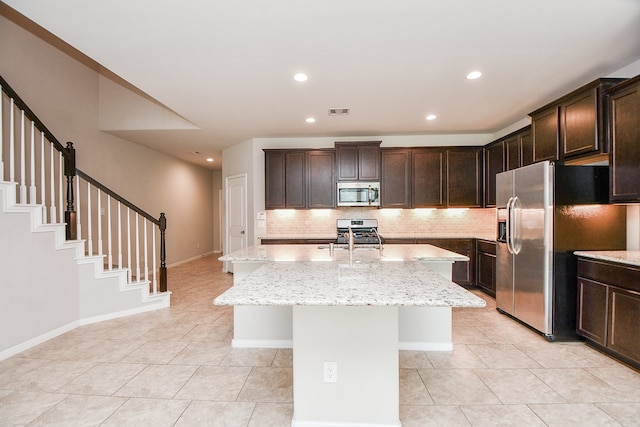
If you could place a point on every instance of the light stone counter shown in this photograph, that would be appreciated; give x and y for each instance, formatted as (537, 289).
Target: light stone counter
(362, 282)
(623, 257)
(321, 253)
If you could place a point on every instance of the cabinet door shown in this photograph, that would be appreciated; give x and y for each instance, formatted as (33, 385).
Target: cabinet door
(624, 110)
(494, 164)
(295, 180)
(395, 180)
(592, 310)
(347, 160)
(369, 162)
(487, 272)
(514, 156)
(624, 318)
(321, 189)
(578, 124)
(545, 135)
(526, 147)
(464, 177)
(462, 271)
(274, 179)
(428, 183)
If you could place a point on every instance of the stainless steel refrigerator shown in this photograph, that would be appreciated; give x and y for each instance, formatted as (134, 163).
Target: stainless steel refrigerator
(546, 211)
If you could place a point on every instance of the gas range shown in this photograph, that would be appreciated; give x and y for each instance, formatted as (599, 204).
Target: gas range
(365, 231)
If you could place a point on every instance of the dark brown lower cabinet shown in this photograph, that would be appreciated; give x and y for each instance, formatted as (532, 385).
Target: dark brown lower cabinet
(609, 308)
(486, 266)
(462, 272)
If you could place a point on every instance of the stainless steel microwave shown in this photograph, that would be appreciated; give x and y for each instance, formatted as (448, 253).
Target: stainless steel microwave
(358, 194)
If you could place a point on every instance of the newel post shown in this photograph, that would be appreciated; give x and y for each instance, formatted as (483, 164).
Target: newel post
(163, 254)
(70, 173)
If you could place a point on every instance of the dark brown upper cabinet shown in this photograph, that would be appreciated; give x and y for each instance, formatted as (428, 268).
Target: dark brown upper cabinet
(395, 182)
(465, 168)
(494, 163)
(573, 126)
(624, 130)
(321, 178)
(518, 148)
(358, 161)
(299, 179)
(428, 177)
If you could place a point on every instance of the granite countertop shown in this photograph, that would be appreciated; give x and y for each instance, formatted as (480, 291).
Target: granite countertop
(351, 282)
(321, 253)
(623, 257)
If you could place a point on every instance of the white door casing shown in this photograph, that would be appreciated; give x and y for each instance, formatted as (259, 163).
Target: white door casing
(236, 214)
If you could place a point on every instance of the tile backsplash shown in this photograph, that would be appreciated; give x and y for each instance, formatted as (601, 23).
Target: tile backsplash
(480, 223)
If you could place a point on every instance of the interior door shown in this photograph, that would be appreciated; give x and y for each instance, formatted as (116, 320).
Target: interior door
(236, 214)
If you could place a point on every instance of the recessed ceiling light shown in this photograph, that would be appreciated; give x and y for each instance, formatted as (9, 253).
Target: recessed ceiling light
(301, 77)
(473, 75)
(209, 159)
(310, 120)
(431, 117)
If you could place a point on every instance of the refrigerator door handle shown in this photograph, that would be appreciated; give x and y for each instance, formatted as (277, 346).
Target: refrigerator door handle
(508, 225)
(516, 241)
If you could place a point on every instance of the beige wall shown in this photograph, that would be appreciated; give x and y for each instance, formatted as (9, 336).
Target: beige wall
(62, 88)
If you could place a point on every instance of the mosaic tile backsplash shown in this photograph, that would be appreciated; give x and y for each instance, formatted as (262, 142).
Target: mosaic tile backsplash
(479, 223)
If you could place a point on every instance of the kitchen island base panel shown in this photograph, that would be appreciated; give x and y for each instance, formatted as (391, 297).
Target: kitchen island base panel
(363, 343)
(425, 328)
(262, 327)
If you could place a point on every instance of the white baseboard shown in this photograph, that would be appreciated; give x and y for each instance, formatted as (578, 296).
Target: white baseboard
(184, 261)
(235, 343)
(425, 346)
(12, 351)
(295, 423)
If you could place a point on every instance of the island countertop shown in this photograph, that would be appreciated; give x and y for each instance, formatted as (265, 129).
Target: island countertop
(361, 278)
(321, 253)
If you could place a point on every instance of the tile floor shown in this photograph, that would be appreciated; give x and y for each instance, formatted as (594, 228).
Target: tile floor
(175, 367)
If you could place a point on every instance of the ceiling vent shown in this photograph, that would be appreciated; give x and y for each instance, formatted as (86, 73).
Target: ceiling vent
(338, 111)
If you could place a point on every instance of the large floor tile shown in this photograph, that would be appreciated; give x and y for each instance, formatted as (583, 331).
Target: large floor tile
(432, 416)
(137, 412)
(518, 386)
(103, 379)
(573, 414)
(501, 416)
(412, 389)
(456, 387)
(158, 381)
(578, 385)
(218, 414)
(19, 408)
(215, 383)
(76, 410)
(268, 384)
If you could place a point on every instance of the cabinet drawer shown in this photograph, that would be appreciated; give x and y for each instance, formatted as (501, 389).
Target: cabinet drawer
(487, 247)
(623, 276)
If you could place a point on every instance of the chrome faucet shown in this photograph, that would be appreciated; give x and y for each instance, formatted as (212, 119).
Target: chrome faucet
(375, 230)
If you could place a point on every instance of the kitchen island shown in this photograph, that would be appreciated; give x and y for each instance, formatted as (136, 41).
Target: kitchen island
(270, 326)
(347, 311)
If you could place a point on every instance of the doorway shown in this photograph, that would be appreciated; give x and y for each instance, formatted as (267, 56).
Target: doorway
(236, 215)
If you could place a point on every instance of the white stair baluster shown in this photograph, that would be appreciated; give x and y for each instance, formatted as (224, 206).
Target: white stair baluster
(146, 256)
(1, 137)
(109, 247)
(23, 179)
(129, 265)
(12, 141)
(32, 188)
(99, 220)
(89, 228)
(119, 236)
(60, 181)
(153, 259)
(43, 188)
(78, 216)
(52, 184)
(137, 250)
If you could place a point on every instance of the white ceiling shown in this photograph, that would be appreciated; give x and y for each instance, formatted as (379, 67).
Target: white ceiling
(226, 67)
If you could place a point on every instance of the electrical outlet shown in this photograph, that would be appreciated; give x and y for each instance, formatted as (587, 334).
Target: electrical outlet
(330, 372)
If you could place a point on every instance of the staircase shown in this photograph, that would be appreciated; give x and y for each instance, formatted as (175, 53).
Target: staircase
(63, 268)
